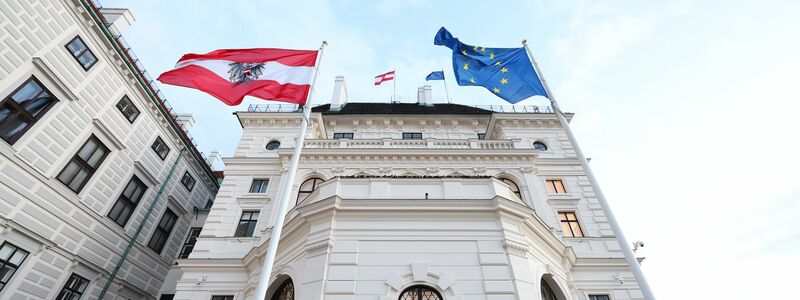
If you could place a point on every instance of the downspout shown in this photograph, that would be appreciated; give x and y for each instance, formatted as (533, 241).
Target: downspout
(141, 226)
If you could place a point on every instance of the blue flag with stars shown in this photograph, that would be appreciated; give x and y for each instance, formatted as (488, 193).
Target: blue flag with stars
(506, 72)
(435, 75)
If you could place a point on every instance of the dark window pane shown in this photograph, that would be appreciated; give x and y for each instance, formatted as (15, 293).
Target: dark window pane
(188, 181)
(127, 201)
(12, 128)
(247, 224)
(22, 108)
(73, 288)
(11, 257)
(28, 91)
(81, 53)
(126, 107)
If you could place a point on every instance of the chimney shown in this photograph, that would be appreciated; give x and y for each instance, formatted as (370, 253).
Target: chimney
(119, 18)
(185, 120)
(339, 98)
(425, 95)
(213, 158)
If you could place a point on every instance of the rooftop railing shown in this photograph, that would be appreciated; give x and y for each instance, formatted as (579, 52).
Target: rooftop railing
(408, 144)
(512, 109)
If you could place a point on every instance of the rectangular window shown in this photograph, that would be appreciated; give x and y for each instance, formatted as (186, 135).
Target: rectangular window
(22, 108)
(599, 297)
(259, 186)
(555, 186)
(167, 297)
(247, 223)
(11, 257)
(569, 224)
(343, 135)
(209, 203)
(74, 288)
(481, 136)
(81, 53)
(127, 201)
(160, 148)
(191, 239)
(188, 181)
(126, 107)
(412, 135)
(162, 231)
(222, 297)
(83, 165)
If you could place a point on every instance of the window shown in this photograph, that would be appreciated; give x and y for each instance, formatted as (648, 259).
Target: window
(162, 231)
(160, 148)
(167, 297)
(126, 107)
(273, 145)
(259, 186)
(412, 135)
(599, 297)
(191, 239)
(539, 146)
(74, 288)
(555, 186)
(285, 291)
(513, 185)
(247, 223)
(420, 292)
(188, 181)
(209, 203)
(20, 110)
(343, 135)
(481, 136)
(11, 257)
(547, 292)
(127, 201)
(84, 164)
(226, 297)
(569, 224)
(307, 188)
(81, 53)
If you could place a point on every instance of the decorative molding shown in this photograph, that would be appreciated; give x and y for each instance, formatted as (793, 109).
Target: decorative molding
(108, 134)
(515, 248)
(45, 69)
(147, 176)
(318, 248)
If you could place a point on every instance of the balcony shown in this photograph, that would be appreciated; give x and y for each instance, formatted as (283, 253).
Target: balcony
(409, 144)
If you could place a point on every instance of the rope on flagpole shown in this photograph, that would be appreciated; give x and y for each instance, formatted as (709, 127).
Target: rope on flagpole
(286, 189)
(630, 257)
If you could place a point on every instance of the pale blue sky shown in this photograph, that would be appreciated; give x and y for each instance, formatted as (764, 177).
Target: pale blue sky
(688, 109)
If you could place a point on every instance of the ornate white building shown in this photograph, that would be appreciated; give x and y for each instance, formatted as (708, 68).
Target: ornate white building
(409, 201)
(86, 145)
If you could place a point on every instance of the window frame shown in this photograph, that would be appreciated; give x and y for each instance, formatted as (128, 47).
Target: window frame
(513, 184)
(23, 113)
(263, 185)
(250, 223)
(343, 135)
(188, 186)
(315, 182)
(222, 297)
(162, 231)
(130, 106)
(272, 142)
(412, 135)
(77, 56)
(84, 164)
(130, 203)
(416, 289)
(569, 222)
(155, 146)
(596, 296)
(552, 189)
(71, 291)
(188, 243)
(481, 136)
(7, 262)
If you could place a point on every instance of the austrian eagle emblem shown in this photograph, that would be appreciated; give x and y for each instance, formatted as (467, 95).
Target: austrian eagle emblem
(245, 72)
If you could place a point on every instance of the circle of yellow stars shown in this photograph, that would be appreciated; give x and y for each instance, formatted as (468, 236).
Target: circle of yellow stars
(503, 81)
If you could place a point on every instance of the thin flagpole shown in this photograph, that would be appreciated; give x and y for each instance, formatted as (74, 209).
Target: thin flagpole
(444, 78)
(630, 257)
(283, 202)
(394, 85)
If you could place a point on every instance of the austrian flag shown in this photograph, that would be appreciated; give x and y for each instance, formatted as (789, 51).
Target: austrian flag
(230, 74)
(384, 77)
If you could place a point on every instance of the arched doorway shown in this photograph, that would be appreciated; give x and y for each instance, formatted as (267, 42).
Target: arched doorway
(285, 291)
(420, 292)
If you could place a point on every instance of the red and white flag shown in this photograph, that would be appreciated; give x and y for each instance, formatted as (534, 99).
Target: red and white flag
(384, 77)
(230, 74)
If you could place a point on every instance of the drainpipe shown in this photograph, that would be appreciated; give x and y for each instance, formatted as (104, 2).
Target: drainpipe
(141, 226)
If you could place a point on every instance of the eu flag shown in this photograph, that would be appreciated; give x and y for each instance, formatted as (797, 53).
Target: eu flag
(435, 75)
(506, 72)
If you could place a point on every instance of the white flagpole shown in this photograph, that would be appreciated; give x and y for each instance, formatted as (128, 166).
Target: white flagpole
(394, 85)
(445, 87)
(623, 243)
(286, 190)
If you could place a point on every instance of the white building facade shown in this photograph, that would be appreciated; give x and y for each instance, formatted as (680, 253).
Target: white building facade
(408, 201)
(86, 145)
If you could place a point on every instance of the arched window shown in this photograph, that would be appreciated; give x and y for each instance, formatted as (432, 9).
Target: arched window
(547, 292)
(307, 188)
(420, 292)
(285, 291)
(513, 185)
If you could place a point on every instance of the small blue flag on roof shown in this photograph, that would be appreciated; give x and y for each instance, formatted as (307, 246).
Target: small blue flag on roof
(435, 75)
(506, 72)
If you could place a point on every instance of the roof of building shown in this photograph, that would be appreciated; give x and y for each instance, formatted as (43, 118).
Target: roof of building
(360, 108)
